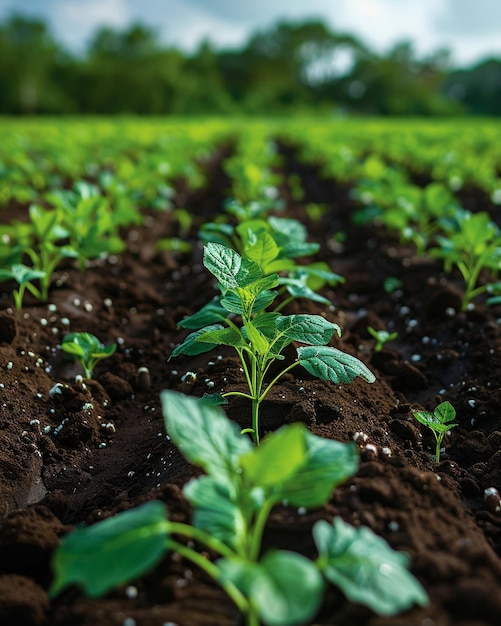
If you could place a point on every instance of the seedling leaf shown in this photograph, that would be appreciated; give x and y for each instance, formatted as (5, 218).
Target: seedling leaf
(230, 269)
(129, 543)
(327, 465)
(203, 434)
(288, 589)
(191, 346)
(331, 364)
(312, 329)
(366, 569)
(278, 458)
(215, 510)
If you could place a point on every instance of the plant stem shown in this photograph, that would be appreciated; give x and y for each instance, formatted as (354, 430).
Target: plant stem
(270, 385)
(178, 528)
(437, 450)
(214, 572)
(259, 525)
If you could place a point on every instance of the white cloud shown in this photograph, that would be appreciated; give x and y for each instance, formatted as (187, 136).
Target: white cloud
(471, 29)
(186, 24)
(76, 20)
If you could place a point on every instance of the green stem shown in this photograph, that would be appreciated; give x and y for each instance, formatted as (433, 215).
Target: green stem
(214, 572)
(270, 385)
(257, 535)
(214, 544)
(18, 296)
(437, 450)
(283, 304)
(237, 393)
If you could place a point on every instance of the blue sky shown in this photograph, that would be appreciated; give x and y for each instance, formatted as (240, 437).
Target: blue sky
(470, 28)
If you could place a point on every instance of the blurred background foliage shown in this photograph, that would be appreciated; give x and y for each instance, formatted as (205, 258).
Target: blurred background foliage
(290, 67)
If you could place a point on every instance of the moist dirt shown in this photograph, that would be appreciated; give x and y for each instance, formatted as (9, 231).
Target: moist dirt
(77, 452)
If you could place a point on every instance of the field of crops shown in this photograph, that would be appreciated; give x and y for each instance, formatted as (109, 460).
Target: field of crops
(257, 363)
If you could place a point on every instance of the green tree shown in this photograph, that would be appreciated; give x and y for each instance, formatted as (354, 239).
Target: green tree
(28, 58)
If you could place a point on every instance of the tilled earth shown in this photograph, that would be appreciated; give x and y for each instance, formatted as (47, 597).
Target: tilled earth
(81, 452)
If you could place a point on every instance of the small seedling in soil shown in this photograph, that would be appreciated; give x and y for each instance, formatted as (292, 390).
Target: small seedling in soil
(231, 505)
(438, 422)
(381, 336)
(264, 335)
(24, 276)
(87, 349)
(474, 248)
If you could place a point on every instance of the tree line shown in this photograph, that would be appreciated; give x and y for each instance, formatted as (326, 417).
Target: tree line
(289, 67)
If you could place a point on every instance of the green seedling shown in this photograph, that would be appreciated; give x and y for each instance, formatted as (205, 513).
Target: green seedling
(274, 243)
(231, 505)
(247, 292)
(87, 349)
(382, 337)
(438, 422)
(24, 276)
(474, 247)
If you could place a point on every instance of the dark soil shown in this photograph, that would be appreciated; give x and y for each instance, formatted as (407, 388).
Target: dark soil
(85, 451)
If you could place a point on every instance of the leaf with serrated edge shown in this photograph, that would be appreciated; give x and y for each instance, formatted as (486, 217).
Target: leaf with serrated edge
(230, 269)
(312, 329)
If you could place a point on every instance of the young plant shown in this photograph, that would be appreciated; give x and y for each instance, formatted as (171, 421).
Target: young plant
(381, 336)
(231, 505)
(24, 276)
(438, 422)
(263, 336)
(274, 243)
(474, 247)
(87, 349)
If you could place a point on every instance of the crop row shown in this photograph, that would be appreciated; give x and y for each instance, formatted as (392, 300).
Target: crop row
(261, 262)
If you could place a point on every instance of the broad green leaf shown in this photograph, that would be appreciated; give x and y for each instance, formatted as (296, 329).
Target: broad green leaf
(229, 268)
(328, 464)
(216, 233)
(111, 552)
(366, 569)
(278, 458)
(288, 589)
(292, 229)
(312, 329)
(240, 572)
(215, 511)
(319, 274)
(191, 346)
(233, 302)
(225, 336)
(440, 419)
(266, 324)
(331, 364)
(295, 249)
(445, 412)
(298, 288)
(257, 339)
(210, 313)
(262, 284)
(204, 434)
(263, 250)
